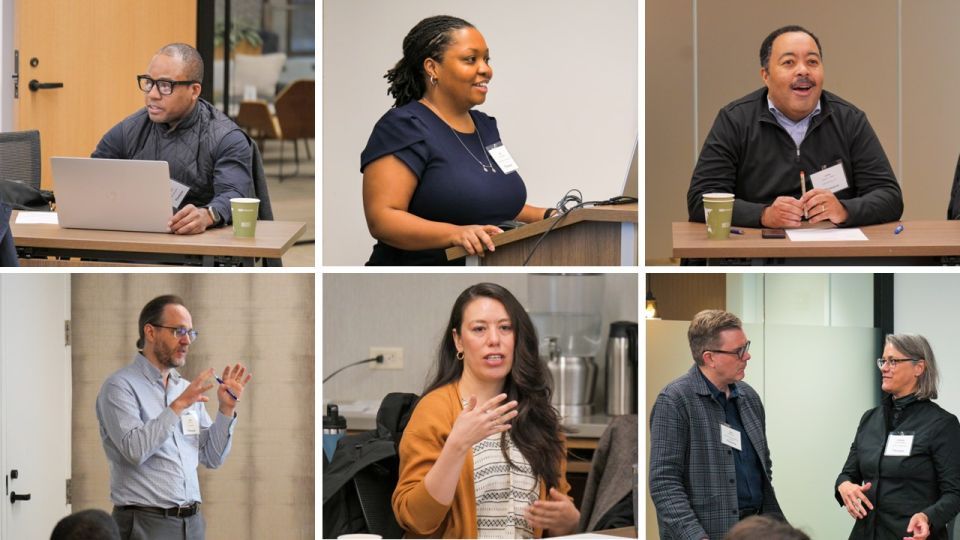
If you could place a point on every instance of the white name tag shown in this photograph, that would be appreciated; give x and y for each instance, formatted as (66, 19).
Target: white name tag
(503, 158)
(190, 423)
(177, 192)
(898, 444)
(832, 178)
(730, 437)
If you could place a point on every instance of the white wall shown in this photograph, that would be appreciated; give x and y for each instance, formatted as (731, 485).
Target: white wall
(564, 94)
(926, 304)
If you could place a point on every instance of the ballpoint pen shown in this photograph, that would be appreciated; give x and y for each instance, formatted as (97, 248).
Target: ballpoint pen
(736, 231)
(219, 380)
(803, 192)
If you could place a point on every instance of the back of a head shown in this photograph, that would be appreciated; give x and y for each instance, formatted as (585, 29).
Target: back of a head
(764, 528)
(86, 525)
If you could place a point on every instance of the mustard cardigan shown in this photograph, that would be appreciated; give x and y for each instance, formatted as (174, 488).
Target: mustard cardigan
(417, 511)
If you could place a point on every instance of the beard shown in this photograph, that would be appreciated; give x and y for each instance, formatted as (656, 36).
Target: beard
(166, 355)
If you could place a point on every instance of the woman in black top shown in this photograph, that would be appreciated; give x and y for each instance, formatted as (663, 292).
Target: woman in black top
(902, 477)
(434, 175)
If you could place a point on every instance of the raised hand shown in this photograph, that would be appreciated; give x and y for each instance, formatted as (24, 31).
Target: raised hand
(194, 392)
(235, 379)
(475, 424)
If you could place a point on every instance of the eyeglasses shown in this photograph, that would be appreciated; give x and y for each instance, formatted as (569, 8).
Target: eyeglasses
(180, 331)
(164, 86)
(894, 361)
(739, 353)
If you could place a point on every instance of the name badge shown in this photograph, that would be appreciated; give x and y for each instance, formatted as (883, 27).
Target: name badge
(190, 422)
(832, 178)
(899, 444)
(730, 437)
(503, 158)
(177, 192)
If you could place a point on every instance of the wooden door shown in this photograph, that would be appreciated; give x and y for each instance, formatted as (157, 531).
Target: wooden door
(96, 48)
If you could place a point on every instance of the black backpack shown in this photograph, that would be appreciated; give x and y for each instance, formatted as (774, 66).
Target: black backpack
(358, 484)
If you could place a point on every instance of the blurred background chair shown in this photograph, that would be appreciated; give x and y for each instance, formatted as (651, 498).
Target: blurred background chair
(293, 121)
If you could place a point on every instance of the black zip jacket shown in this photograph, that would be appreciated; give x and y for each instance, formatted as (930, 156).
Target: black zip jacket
(927, 481)
(749, 154)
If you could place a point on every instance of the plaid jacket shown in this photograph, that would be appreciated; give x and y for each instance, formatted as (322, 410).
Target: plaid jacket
(692, 474)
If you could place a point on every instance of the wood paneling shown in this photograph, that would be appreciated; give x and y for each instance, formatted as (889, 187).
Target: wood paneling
(681, 296)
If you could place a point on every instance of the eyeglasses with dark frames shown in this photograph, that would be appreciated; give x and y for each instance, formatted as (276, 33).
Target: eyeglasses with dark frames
(895, 361)
(164, 86)
(180, 331)
(739, 352)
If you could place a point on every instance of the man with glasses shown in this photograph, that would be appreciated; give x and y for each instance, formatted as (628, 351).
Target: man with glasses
(156, 430)
(709, 461)
(207, 152)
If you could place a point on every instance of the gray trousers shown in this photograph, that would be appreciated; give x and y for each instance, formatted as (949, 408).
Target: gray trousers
(138, 525)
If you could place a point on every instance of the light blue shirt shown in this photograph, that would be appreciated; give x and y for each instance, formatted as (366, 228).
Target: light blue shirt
(152, 462)
(798, 129)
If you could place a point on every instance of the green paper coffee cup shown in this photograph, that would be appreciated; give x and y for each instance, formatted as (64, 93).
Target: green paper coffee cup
(718, 211)
(244, 217)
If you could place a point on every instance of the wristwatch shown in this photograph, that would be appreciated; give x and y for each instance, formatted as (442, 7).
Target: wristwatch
(213, 216)
(549, 212)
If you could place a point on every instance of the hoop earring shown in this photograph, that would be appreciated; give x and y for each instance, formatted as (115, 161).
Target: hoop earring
(434, 80)
(460, 355)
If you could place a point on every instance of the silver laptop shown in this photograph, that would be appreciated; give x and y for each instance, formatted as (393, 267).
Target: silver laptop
(112, 194)
(630, 182)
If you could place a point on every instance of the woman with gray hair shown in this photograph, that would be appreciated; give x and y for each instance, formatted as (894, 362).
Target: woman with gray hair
(902, 477)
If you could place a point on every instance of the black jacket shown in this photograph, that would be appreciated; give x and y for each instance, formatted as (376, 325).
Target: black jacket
(8, 252)
(749, 154)
(927, 481)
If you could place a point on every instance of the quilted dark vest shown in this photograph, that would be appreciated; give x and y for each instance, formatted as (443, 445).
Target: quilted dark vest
(189, 148)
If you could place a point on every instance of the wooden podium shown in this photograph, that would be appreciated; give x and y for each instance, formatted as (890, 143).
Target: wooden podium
(595, 236)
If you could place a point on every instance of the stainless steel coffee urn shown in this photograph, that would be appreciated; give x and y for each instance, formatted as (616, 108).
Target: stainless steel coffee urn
(621, 368)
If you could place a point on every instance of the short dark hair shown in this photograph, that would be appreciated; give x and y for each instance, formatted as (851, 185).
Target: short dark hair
(766, 48)
(86, 525)
(192, 61)
(152, 313)
(428, 39)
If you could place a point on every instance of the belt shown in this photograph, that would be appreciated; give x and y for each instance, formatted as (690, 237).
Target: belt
(178, 512)
(747, 512)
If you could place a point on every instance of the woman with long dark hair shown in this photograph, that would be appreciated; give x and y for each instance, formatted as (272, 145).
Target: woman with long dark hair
(482, 455)
(435, 172)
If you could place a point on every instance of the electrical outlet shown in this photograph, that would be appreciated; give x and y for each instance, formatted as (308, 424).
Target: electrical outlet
(392, 357)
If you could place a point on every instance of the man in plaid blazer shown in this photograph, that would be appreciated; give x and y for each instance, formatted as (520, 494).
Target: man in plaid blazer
(709, 461)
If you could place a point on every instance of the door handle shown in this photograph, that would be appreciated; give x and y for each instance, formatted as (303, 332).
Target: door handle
(14, 497)
(37, 85)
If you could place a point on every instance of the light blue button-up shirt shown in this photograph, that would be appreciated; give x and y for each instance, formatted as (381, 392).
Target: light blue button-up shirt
(798, 129)
(152, 462)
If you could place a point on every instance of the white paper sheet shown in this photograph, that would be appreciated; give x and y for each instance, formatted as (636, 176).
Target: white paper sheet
(826, 235)
(49, 218)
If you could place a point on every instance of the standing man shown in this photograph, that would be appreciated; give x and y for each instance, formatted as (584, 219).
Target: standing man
(155, 428)
(760, 144)
(207, 152)
(709, 461)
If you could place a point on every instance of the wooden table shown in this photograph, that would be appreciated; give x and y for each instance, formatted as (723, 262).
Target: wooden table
(921, 242)
(593, 236)
(215, 247)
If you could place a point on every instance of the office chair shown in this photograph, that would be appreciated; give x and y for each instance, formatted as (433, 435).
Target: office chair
(20, 157)
(293, 120)
(295, 113)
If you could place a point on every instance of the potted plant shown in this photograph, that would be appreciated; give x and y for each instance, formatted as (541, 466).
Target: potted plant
(244, 39)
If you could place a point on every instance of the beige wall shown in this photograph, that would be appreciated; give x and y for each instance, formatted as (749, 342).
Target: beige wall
(889, 58)
(266, 321)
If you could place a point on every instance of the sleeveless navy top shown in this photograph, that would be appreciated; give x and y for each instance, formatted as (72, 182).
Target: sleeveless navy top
(452, 186)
